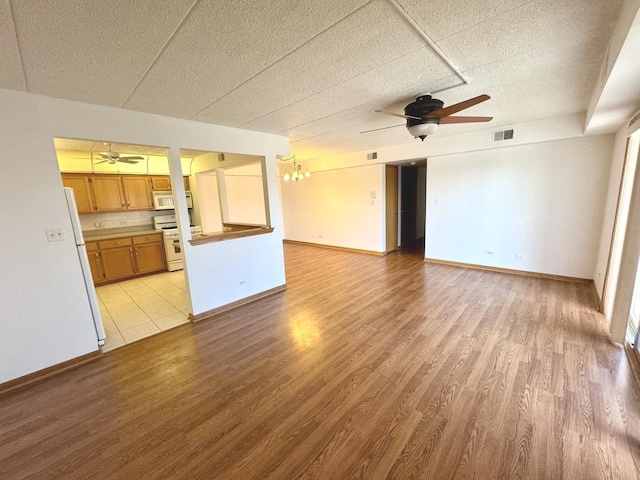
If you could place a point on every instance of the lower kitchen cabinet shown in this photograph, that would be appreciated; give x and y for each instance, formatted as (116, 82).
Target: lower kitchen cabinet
(117, 263)
(149, 254)
(126, 257)
(95, 262)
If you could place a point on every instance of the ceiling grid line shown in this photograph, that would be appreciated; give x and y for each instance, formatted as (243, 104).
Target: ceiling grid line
(283, 57)
(330, 87)
(371, 104)
(164, 47)
(15, 30)
(427, 39)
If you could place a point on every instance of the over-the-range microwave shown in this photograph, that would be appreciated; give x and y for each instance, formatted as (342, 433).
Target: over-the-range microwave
(164, 200)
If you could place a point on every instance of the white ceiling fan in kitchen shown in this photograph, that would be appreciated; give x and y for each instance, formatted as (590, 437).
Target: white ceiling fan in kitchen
(113, 157)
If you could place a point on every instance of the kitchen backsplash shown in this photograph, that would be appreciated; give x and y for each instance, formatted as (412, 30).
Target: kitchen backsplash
(100, 221)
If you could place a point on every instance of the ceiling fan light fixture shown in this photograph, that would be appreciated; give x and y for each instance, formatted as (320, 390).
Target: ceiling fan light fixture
(422, 130)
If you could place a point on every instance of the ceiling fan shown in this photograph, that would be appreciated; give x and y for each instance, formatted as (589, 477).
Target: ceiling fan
(426, 113)
(113, 157)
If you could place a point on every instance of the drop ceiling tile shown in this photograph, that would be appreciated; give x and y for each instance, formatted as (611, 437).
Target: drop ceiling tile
(224, 44)
(333, 57)
(442, 19)
(535, 25)
(11, 74)
(381, 87)
(96, 51)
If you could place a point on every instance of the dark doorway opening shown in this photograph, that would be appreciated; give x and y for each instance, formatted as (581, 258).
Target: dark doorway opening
(413, 207)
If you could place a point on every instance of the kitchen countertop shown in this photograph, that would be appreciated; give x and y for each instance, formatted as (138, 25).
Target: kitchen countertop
(109, 233)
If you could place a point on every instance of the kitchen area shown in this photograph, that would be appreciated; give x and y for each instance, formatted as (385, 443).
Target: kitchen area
(122, 205)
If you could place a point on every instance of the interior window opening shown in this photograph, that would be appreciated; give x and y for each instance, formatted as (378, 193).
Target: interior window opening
(229, 193)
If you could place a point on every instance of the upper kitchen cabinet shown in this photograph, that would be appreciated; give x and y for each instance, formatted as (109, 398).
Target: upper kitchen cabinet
(137, 192)
(108, 193)
(81, 190)
(161, 183)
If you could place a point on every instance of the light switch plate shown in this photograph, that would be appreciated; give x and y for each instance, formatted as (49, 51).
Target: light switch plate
(54, 234)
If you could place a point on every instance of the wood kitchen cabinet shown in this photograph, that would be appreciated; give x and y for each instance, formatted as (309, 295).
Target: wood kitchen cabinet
(95, 262)
(149, 253)
(108, 193)
(126, 257)
(81, 190)
(117, 258)
(137, 192)
(163, 183)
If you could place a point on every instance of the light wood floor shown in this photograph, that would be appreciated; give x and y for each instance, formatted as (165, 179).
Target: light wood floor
(366, 367)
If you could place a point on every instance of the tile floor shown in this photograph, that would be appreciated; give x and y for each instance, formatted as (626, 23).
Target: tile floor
(142, 307)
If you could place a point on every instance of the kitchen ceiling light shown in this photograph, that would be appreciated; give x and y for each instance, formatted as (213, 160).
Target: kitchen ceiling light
(295, 172)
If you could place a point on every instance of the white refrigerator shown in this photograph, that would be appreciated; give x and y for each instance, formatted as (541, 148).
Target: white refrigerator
(84, 264)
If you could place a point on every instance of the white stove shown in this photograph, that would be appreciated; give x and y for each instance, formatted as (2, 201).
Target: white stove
(173, 250)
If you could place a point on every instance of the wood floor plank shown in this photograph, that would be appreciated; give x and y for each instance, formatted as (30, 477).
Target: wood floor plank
(363, 368)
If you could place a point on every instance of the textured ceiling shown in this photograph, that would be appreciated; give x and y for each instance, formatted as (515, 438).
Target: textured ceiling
(314, 71)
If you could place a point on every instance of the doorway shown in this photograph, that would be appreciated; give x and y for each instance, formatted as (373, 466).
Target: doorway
(413, 199)
(391, 212)
(113, 185)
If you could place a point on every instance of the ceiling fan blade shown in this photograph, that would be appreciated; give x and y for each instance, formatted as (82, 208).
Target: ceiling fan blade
(465, 119)
(398, 114)
(455, 108)
(132, 157)
(383, 128)
(101, 161)
(127, 160)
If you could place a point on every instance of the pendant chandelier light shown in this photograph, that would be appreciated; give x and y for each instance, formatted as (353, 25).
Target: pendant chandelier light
(295, 172)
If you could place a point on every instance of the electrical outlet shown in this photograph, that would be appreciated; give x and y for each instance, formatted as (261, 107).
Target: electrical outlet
(98, 224)
(436, 201)
(489, 252)
(520, 256)
(124, 222)
(54, 234)
(241, 283)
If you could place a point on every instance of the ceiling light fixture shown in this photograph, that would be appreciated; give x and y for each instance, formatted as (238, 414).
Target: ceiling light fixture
(421, 130)
(295, 172)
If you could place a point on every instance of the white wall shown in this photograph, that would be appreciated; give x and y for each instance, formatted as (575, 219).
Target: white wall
(540, 195)
(208, 201)
(45, 317)
(609, 214)
(245, 200)
(543, 201)
(334, 207)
